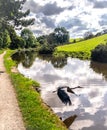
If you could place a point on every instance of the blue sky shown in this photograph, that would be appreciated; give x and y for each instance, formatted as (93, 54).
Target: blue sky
(77, 16)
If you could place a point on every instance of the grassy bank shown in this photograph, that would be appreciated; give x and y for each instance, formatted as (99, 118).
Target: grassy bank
(83, 48)
(1, 51)
(36, 115)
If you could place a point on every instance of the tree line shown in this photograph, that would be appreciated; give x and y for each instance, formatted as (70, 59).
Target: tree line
(12, 17)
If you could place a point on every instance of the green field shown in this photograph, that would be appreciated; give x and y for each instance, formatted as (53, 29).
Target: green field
(72, 40)
(83, 46)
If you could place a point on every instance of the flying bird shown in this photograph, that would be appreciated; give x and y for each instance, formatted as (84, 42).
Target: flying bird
(63, 96)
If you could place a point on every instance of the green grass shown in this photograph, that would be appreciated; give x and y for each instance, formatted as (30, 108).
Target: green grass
(76, 40)
(36, 115)
(1, 51)
(83, 47)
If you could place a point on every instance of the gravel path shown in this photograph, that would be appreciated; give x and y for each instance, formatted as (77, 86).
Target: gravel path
(10, 115)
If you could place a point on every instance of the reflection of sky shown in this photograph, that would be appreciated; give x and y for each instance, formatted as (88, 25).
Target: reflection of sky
(90, 106)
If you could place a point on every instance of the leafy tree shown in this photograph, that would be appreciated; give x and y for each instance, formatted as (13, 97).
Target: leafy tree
(29, 38)
(1, 41)
(52, 39)
(42, 39)
(49, 42)
(61, 35)
(16, 41)
(11, 12)
(88, 35)
(58, 37)
(13, 17)
(4, 39)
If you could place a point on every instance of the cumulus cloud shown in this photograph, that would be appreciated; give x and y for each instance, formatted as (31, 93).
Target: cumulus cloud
(32, 5)
(100, 4)
(71, 22)
(48, 21)
(48, 9)
(70, 7)
(52, 9)
(103, 20)
(77, 16)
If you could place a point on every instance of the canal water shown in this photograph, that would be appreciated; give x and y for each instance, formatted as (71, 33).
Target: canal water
(90, 103)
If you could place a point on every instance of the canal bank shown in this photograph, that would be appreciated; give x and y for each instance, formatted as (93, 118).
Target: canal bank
(36, 114)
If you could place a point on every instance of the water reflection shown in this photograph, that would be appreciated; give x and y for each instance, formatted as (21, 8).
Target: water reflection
(69, 120)
(99, 68)
(90, 107)
(57, 62)
(63, 95)
(25, 57)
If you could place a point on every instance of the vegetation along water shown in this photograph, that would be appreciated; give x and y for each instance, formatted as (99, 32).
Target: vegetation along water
(86, 103)
(89, 105)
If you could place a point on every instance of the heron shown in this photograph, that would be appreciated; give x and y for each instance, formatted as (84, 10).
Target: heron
(63, 96)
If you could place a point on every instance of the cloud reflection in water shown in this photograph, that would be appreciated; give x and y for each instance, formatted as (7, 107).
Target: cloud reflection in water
(90, 106)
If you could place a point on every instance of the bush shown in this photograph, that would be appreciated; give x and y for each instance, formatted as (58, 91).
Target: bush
(46, 49)
(100, 53)
(17, 42)
(4, 39)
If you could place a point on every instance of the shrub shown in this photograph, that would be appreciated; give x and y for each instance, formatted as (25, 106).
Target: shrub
(4, 39)
(17, 42)
(100, 53)
(46, 49)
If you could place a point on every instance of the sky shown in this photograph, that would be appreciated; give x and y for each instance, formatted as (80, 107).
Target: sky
(77, 16)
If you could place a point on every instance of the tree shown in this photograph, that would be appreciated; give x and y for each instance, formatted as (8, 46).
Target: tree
(88, 35)
(61, 35)
(42, 39)
(13, 17)
(4, 39)
(11, 13)
(29, 38)
(48, 42)
(52, 39)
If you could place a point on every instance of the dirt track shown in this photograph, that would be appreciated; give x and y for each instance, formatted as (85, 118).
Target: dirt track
(10, 115)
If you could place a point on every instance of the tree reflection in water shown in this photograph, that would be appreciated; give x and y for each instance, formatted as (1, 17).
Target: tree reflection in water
(100, 68)
(69, 120)
(57, 62)
(27, 58)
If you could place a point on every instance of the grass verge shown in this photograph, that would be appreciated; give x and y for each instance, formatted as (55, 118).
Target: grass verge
(1, 51)
(36, 115)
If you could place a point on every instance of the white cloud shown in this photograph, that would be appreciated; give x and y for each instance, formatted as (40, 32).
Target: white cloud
(78, 16)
